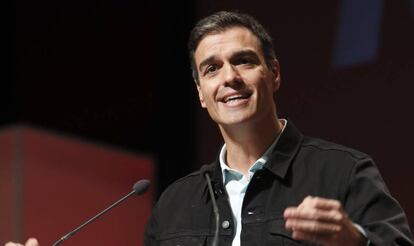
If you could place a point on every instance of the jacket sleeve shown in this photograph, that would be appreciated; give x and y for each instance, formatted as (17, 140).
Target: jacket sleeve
(370, 205)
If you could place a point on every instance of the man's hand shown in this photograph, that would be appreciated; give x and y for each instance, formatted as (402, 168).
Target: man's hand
(29, 242)
(322, 221)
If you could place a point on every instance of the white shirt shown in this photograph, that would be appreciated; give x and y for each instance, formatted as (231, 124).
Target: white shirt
(236, 183)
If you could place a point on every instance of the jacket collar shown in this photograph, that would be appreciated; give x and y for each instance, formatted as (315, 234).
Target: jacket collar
(280, 158)
(285, 150)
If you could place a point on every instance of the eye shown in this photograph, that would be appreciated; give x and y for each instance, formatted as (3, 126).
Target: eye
(211, 69)
(244, 61)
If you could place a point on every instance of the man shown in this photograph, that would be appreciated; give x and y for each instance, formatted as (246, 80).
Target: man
(272, 186)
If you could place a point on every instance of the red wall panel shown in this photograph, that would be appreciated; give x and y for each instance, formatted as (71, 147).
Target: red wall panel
(59, 182)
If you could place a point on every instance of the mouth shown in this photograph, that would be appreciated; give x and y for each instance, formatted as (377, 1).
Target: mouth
(235, 98)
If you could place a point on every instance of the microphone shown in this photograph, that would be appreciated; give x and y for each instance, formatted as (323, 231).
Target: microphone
(206, 173)
(139, 188)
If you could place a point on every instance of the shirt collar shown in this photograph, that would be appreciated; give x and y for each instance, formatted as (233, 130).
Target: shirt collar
(257, 165)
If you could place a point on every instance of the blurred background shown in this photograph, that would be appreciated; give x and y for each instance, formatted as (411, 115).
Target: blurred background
(116, 74)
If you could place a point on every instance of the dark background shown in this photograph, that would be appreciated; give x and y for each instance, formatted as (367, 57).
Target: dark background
(117, 72)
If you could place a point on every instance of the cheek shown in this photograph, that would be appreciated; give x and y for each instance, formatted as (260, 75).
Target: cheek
(255, 77)
(206, 95)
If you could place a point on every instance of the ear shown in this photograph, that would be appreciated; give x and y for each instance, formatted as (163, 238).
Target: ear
(200, 96)
(275, 74)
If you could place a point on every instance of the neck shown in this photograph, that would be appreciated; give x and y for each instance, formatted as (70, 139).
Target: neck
(247, 143)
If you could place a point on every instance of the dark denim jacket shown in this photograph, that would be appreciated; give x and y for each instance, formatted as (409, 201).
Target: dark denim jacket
(299, 166)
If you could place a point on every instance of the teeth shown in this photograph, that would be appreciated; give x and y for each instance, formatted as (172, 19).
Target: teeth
(235, 97)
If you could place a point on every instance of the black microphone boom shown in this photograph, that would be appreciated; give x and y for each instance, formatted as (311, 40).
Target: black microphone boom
(139, 188)
(206, 173)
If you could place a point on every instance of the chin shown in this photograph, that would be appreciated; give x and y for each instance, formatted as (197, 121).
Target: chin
(236, 120)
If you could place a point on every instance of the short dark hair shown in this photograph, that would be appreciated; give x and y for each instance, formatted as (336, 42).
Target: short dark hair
(220, 22)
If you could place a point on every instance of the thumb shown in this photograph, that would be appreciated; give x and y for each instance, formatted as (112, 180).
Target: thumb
(32, 242)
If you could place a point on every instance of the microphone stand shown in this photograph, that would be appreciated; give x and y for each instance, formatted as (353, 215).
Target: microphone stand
(70, 234)
(139, 188)
(215, 209)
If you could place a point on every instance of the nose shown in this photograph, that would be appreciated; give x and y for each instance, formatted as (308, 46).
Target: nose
(231, 75)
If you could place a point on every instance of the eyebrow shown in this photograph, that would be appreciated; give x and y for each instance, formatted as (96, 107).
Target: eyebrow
(244, 53)
(236, 55)
(206, 61)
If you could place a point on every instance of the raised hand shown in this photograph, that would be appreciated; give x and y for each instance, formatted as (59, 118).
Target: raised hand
(323, 222)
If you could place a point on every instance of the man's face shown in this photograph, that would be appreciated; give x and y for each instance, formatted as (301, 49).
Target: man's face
(235, 84)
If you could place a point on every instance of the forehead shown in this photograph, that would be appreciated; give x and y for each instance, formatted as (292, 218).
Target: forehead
(224, 43)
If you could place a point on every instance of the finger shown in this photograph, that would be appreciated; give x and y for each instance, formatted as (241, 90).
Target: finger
(306, 201)
(332, 216)
(320, 203)
(311, 226)
(13, 244)
(32, 242)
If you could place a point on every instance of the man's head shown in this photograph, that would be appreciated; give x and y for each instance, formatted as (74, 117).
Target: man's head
(222, 21)
(235, 78)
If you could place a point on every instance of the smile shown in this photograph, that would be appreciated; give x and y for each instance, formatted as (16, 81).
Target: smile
(236, 99)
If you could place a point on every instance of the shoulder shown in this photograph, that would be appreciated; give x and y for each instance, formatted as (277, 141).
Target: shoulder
(329, 161)
(326, 169)
(187, 181)
(186, 188)
(322, 148)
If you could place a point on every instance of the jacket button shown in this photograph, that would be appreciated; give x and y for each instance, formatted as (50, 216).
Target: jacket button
(218, 192)
(225, 224)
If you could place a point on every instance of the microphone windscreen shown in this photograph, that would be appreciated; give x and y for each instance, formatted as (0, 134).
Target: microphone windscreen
(141, 186)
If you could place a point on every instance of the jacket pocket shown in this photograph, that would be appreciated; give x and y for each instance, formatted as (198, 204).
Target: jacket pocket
(278, 235)
(184, 241)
